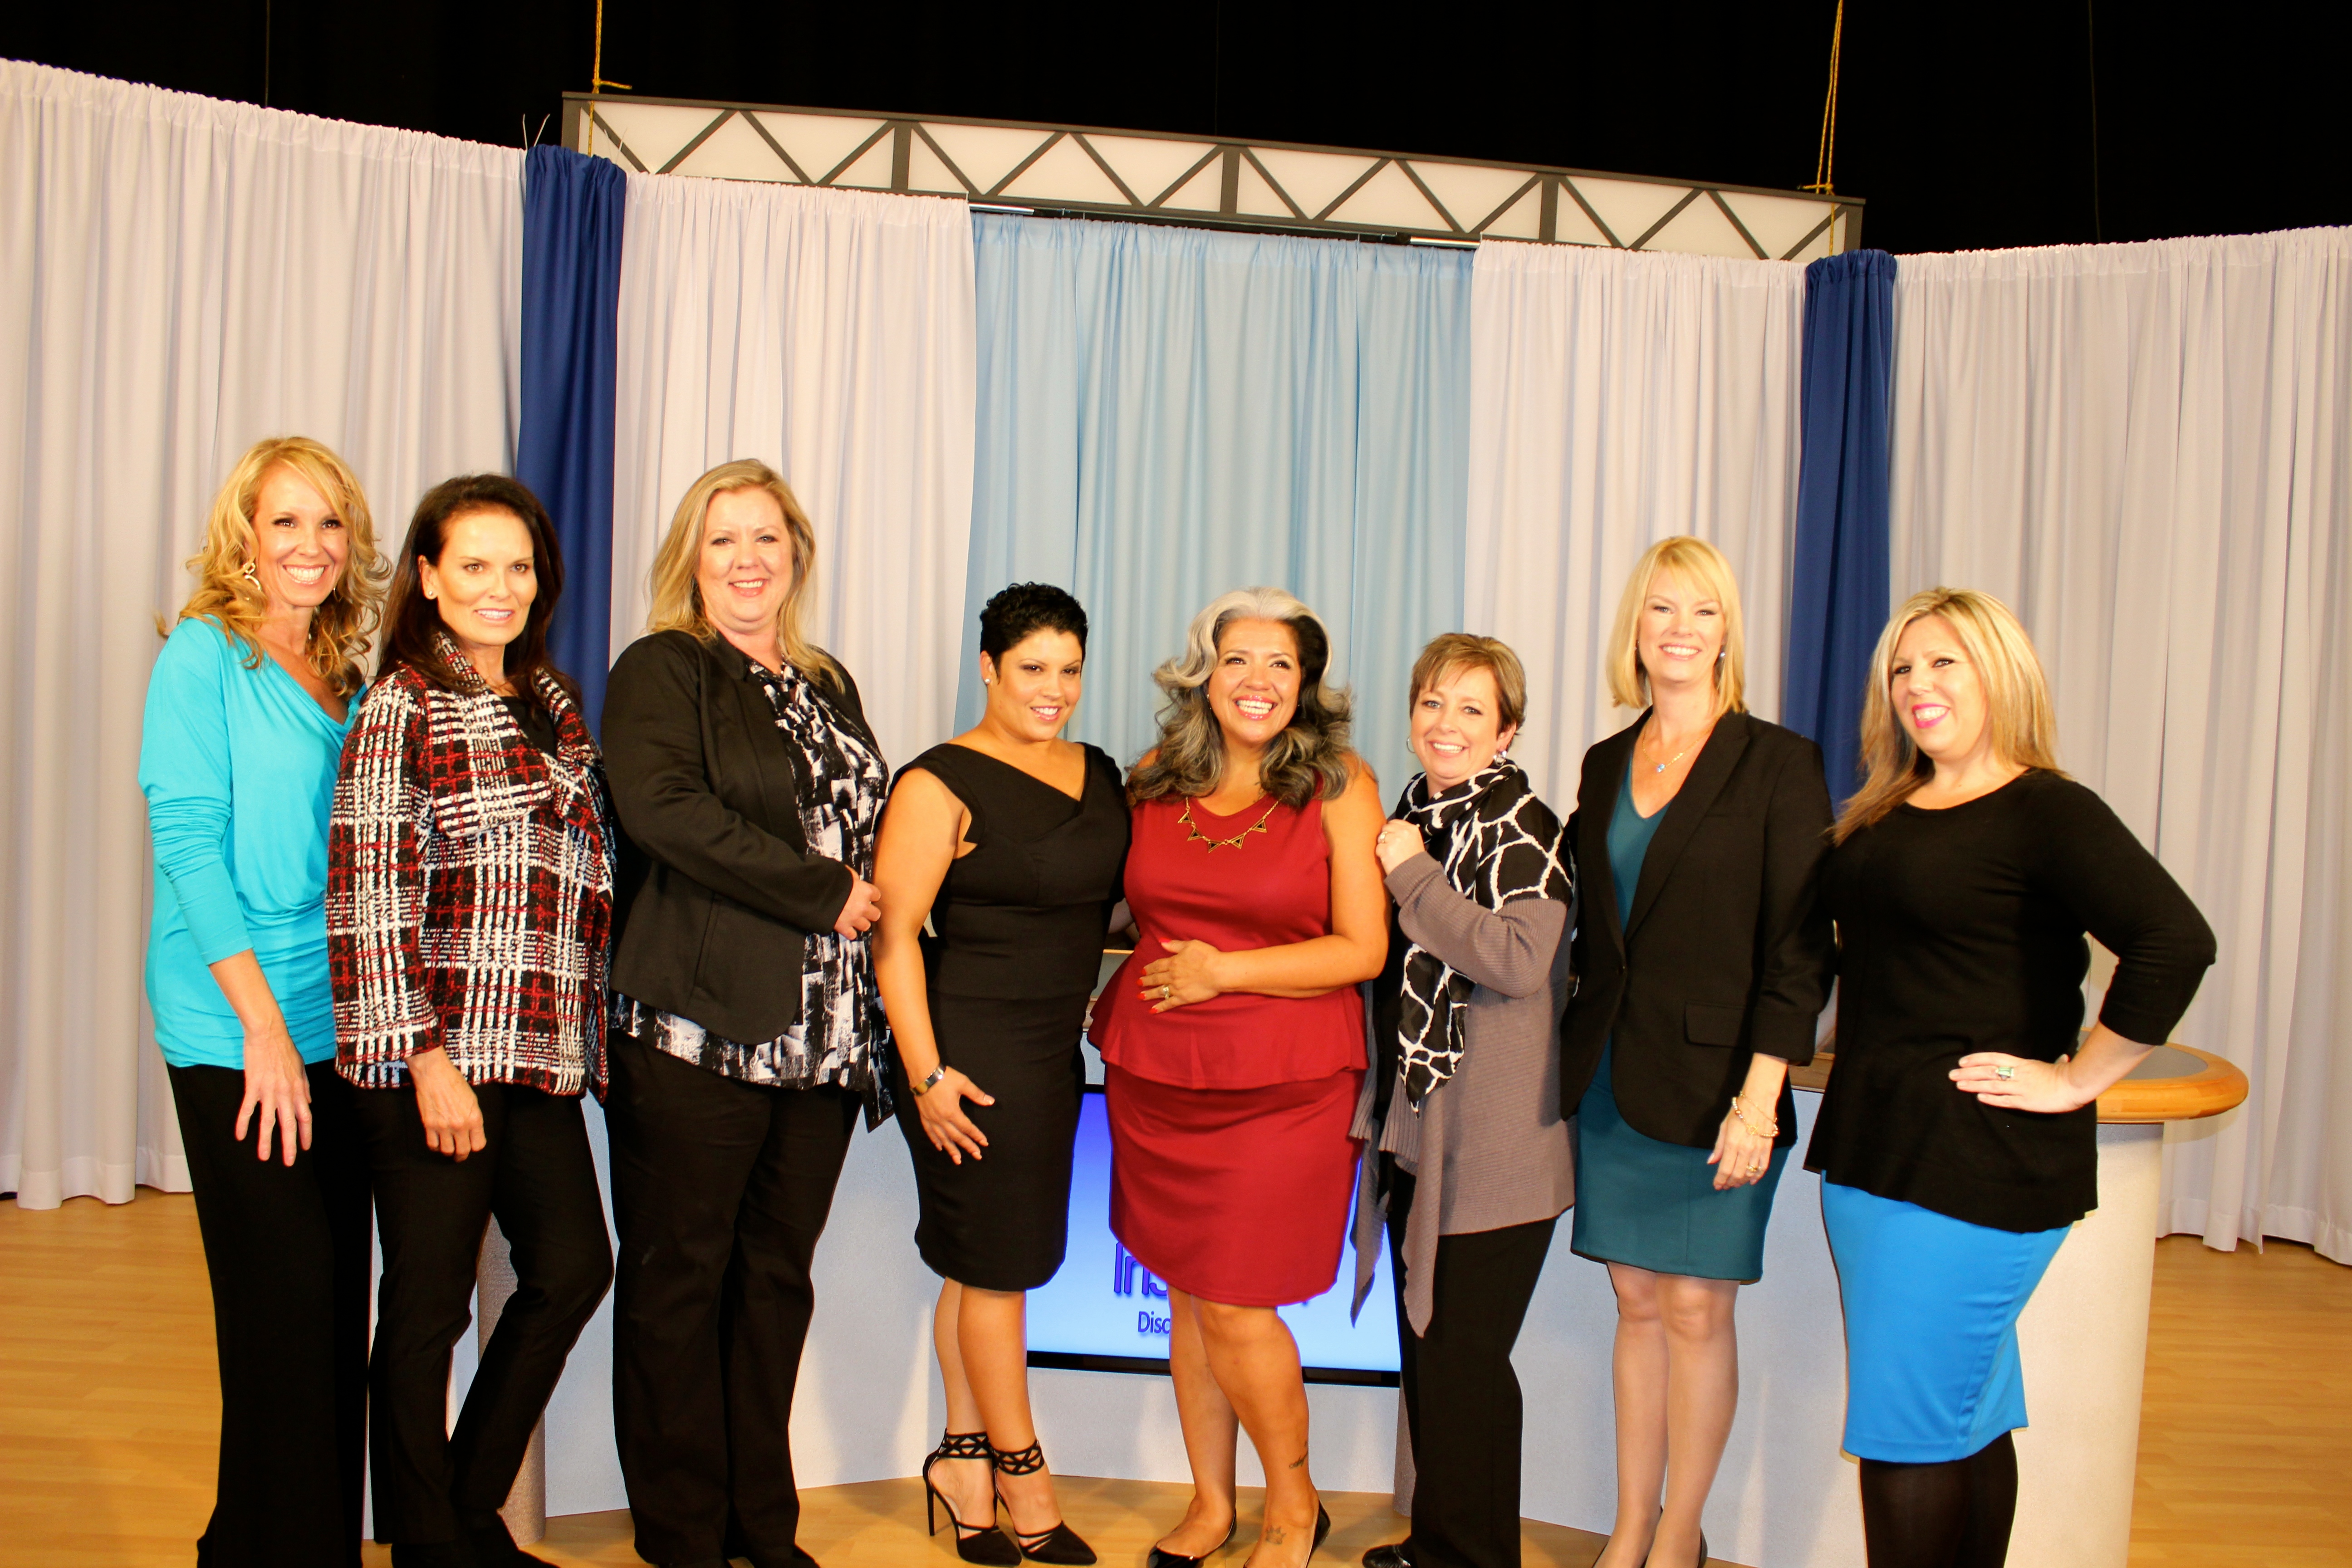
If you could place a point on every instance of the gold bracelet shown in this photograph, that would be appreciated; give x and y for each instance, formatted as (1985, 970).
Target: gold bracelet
(1772, 1131)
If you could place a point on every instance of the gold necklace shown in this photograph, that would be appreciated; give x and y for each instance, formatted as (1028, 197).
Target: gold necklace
(1193, 828)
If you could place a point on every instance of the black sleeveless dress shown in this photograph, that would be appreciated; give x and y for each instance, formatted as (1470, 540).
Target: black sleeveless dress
(1012, 953)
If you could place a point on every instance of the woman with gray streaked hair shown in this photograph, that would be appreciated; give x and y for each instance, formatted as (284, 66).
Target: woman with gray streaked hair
(1233, 1041)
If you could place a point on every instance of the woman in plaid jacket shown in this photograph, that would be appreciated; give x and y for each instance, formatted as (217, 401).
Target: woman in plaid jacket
(470, 908)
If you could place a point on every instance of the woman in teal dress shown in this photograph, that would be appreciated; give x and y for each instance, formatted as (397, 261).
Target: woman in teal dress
(1702, 963)
(246, 712)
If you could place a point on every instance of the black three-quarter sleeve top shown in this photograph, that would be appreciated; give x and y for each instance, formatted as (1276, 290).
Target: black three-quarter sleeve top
(1962, 931)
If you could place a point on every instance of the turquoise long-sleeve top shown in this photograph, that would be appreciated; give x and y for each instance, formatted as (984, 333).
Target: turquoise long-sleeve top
(238, 769)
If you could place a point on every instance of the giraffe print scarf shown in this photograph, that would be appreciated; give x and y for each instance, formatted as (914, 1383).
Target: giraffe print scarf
(1496, 842)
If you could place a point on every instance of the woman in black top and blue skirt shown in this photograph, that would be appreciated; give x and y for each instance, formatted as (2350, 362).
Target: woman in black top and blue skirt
(1958, 1139)
(1009, 841)
(1702, 959)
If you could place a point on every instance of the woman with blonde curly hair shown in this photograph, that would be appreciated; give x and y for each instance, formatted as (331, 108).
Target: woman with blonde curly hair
(246, 712)
(1233, 1040)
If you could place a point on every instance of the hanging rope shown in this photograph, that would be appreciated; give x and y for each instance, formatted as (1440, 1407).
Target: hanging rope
(1822, 164)
(596, 82)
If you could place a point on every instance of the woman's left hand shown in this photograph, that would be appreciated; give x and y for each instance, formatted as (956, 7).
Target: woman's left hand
(1741, 1156)
(2028, 1085)
(1398, 843)
(1187, 974)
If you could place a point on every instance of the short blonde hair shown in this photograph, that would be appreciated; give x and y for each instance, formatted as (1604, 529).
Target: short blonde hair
(678, 598)
(2019, 714)
(1309, 760)
(1449, 653)
(342, 626)
(1703, 567)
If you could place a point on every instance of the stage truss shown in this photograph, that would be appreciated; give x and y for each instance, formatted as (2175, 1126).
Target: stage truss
(1206, 180)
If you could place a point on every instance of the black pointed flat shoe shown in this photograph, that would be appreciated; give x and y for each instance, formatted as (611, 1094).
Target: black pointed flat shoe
(1158, 1557)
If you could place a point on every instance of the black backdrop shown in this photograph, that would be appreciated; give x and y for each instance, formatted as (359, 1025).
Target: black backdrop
(1964, 124)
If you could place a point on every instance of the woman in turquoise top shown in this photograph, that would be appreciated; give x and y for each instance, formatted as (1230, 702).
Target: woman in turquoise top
(247, 712)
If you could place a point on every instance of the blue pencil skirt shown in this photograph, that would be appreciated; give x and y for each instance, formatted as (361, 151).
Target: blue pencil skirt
(1931, 1309)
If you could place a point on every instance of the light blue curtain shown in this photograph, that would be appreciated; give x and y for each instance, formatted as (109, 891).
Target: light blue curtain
(1166, 414)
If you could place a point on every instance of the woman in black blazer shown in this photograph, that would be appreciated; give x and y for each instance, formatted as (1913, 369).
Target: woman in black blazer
(746, 1030)
(1701, 962)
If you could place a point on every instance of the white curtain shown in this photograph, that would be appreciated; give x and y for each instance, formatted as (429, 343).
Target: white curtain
(2147, 451)
(1618, 397)
(830, 334)
(179, 278)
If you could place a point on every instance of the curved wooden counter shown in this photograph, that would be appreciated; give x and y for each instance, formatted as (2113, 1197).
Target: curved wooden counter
(2176, 1083)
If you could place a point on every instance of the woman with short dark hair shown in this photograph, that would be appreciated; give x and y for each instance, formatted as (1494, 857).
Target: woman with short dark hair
(1008, 843)
(1233, 1040)
(470, 904)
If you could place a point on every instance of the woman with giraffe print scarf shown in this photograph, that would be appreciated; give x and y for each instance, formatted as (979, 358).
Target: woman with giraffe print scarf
(1468, 1149)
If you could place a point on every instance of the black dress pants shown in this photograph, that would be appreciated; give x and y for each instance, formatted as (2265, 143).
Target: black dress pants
(721, 1189)
(433, 1485)
(1461, 1405)
(286, 1249)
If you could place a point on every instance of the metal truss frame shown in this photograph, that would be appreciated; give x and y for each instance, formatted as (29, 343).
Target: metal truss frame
(1217, 181)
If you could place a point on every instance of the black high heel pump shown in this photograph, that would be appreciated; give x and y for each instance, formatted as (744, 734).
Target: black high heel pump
(981, 1544)
(1060, 1545)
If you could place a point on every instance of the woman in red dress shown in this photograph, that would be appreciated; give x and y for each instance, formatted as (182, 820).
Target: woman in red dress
(1233, 1040)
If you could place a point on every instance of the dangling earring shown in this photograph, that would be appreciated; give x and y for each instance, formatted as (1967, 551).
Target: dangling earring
(250, 576)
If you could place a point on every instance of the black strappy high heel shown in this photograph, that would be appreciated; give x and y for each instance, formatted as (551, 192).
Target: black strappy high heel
(1060, 1545)
(986, 1543)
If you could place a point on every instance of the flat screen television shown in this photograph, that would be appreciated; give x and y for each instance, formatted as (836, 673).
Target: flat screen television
(1105, 1312)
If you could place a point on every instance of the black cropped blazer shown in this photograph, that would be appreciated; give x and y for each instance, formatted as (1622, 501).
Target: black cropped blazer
(719, 891)
(1728, 950)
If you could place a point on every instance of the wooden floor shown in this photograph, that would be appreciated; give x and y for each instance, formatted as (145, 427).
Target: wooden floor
(107, 1414)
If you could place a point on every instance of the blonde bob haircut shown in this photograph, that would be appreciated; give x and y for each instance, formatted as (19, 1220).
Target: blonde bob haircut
(341, 627)
(2021, 722)
(678, 598)
(1309, 759)
(1453, 653)
(1701, 566)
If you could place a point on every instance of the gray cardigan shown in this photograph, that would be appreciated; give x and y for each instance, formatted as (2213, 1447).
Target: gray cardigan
(1488, 1147)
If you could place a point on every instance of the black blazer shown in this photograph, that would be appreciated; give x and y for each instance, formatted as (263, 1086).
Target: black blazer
(1726, 951)
(719, 892)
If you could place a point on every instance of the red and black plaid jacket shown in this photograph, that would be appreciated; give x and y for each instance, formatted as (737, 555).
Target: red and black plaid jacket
(469, 889)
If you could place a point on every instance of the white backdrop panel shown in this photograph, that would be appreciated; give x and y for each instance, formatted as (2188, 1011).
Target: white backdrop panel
(1618, 397)
(2147, 451)
(180, 277)
(830, 334)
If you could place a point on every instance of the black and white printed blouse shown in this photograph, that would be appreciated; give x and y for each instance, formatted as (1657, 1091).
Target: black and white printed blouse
(842, 1038)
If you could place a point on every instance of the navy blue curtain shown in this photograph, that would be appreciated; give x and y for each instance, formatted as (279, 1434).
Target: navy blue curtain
(1838, 604)
(572, 210)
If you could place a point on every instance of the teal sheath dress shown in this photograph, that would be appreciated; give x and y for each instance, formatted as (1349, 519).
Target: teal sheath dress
(1640, 1201)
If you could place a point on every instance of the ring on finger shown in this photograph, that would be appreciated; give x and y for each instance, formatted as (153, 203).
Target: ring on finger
(2005, 1070)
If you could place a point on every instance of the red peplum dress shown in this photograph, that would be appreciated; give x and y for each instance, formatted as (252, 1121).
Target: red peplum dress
(1231, 1164)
